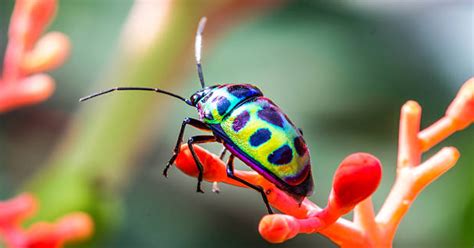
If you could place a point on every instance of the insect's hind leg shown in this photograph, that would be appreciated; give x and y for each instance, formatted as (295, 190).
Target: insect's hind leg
(187, 121)
(223, 152)
(198, 140)
(230, 173)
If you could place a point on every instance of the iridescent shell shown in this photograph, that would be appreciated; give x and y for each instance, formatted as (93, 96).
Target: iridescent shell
(256, 131)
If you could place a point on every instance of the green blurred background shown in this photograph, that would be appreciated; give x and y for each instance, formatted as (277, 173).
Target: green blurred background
(340, 69)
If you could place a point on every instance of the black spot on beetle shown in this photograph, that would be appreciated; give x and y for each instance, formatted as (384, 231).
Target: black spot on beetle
(300, 146)
(240, 121)
(222, 106)
(239, 91)
(271, 116)
(261, 136)
(281, 156)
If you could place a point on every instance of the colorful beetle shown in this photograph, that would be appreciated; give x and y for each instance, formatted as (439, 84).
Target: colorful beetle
(250, 126)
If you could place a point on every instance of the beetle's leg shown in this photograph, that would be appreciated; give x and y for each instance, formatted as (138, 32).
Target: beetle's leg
(301, 131)
(223, 152)
(230, 173)
(198, 140)
(188, 121)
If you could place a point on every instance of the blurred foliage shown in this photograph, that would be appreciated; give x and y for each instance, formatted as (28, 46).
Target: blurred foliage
(341, 71)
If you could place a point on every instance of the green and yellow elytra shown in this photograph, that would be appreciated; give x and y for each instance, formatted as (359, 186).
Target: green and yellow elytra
(250, 126)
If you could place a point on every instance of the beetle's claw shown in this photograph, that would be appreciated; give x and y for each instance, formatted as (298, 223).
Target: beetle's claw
(168, 165)
(165, 171)
(199, 188)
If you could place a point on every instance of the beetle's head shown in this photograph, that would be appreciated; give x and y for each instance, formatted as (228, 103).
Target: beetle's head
(200, 94)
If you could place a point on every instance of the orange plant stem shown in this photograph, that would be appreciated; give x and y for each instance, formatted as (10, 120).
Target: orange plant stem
(364, 217)
(409, 152)
(409, 183)
(308, 217)
(459, 115)
(437, 132)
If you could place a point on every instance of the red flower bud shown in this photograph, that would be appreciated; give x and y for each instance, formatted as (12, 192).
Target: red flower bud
(277, 228)
(357, 177)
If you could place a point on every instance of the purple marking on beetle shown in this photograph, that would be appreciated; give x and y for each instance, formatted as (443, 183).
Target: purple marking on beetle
(271, 116)
(239, 91)
(300, 146)
(281, 156)
(240, 121)
(223, 105)
(261, 136)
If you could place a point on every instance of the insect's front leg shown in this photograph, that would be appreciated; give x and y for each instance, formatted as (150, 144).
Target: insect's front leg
(198, 140)
(230, 173)
(188, 121)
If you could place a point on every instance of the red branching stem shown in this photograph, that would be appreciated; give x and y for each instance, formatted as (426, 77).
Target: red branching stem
(28, 20)
(304, 218)
(459, 115)
(72, 227)
(409, 183)
(215, 172)
(364, 217)
(346, 234)
(355, 180)
(28, 55)
(412, 177)
(437, 132)
(408, 146)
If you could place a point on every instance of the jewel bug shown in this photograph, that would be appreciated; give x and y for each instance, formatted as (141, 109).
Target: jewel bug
(250, 126)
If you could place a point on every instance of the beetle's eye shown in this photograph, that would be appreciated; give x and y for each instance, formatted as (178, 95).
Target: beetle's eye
(194, 99)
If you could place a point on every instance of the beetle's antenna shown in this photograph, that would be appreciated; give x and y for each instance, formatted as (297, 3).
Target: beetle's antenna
(197, 47)
(135, 88)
